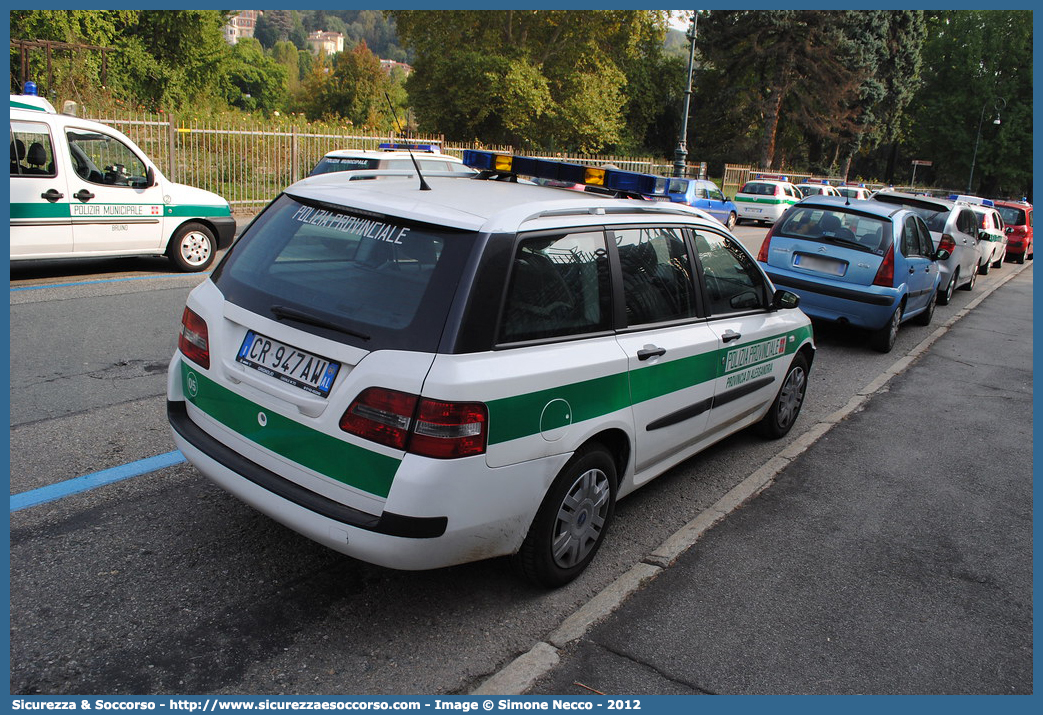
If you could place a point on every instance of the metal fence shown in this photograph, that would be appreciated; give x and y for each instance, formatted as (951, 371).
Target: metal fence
(249, 163)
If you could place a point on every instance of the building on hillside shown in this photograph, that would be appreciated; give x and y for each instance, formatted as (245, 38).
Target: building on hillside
(241, 24)
(388, 65)
(325, 42)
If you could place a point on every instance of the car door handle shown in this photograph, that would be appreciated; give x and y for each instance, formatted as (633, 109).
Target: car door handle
(52, 195)
(650, 352)
(730, 335)
(83, 195)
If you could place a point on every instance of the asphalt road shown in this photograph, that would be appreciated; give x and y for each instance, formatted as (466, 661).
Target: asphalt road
(164, 584)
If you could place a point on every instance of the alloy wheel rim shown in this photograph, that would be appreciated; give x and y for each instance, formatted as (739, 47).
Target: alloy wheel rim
(581, 518)
(195, 248)
(791, 397)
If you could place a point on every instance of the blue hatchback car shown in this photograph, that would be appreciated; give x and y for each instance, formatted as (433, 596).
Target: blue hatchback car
(856, 261)
(705, 195)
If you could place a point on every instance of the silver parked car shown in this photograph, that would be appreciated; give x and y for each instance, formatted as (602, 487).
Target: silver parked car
(954, 227)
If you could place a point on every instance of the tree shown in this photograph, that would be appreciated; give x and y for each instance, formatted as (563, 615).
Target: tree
(254, 81)
(787, 66)
(553, 79)
(352, 87)
(972, 60)
(285, 53)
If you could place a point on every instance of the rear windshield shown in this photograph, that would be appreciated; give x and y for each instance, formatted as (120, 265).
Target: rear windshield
(368, 280)
(1012, 216)
(330, 164)
(866, 233)
(758, 188)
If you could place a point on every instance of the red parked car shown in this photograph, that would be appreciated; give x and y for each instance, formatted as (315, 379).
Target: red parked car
(1017, 215)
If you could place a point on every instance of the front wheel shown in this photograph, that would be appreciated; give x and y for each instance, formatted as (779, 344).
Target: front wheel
(974, 277)
(983, 268)
(883, 340)
(571, 523)
(192, 248)
(732, 220)
(783, 412)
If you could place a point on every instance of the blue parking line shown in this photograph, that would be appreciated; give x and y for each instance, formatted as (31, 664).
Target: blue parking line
(87, 283)
(87, 482)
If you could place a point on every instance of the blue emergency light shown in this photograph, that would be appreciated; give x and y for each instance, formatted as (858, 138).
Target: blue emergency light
(388, 146)
(613, 179)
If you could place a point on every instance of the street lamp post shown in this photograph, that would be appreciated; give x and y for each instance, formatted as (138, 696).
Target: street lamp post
(681, 153)
(999, 104)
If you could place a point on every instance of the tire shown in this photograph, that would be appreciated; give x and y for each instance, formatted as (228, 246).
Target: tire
(927, 315)
(944, 296)
(984, 268)
(970, 284)
(883, 340)
(192, 248)
(1022, 257)
(784, 410)
(570, 525)
(732, 220)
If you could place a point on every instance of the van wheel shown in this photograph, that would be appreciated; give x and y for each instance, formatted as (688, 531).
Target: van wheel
(192, 247)
(783, 412)
(572, 521)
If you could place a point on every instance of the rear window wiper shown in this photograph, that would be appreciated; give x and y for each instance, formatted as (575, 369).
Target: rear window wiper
(284, 313)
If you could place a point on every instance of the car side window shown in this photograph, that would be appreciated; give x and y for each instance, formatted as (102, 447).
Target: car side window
(733, 283)
(32, 153)
(910, 237)
(926, 243)
(559, 286)
(657, 275)
(101, 159)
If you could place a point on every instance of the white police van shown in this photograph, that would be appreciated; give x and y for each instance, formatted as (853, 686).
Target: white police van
(82, 189)
(426, 373)
(389, 155)
(765, 198)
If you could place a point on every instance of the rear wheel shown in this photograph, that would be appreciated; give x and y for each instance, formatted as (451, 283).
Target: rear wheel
(925, 317)
(783, 412)
(883, 340)
(572, 521)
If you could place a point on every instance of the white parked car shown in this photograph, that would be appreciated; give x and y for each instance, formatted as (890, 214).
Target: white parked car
(421, 378)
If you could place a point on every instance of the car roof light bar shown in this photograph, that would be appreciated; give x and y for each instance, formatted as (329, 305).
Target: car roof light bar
(771, 177)
(401, 146)
(614, 179)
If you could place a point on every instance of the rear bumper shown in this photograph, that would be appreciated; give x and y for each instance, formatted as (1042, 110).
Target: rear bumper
(865, 306)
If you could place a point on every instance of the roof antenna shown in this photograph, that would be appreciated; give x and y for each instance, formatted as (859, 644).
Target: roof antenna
(423, 184)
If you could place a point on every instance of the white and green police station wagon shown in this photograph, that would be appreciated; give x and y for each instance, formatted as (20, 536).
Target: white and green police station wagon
(81, 189)
(427, 373)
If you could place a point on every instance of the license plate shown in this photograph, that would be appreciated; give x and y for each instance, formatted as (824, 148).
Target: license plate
(754, 211)
(291, 365)
(821, 265)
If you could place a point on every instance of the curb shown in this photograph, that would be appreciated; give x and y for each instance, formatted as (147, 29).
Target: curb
(520, 674)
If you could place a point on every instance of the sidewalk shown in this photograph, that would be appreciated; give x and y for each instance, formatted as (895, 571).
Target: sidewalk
(894, 555)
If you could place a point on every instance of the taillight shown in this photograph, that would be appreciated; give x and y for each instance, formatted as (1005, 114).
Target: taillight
(947, 243)
(193, 340)
(762, 255)
(447, 430)
(430, 428)
(885, 275)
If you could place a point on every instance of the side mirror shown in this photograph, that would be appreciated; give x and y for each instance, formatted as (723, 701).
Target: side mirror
(784, 300)
(1009, 229)
(150, 177)
(941, 254)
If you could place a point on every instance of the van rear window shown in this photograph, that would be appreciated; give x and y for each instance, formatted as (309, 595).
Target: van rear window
(380, 281)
